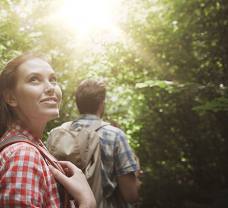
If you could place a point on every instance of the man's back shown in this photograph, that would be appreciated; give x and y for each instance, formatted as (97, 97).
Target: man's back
(117, 159)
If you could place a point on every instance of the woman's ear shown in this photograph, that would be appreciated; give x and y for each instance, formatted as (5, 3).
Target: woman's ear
(10, 99)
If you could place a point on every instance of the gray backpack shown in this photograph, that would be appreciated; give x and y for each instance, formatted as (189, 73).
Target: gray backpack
(81, 146)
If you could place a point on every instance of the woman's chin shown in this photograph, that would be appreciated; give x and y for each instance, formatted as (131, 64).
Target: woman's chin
(53, 116)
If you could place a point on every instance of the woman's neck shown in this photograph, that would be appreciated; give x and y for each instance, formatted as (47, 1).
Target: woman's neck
(35, 128)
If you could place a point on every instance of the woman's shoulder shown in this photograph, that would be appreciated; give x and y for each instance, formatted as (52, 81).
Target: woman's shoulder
(19, 151)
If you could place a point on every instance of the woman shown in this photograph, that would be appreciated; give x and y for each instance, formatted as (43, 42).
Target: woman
(29, 97)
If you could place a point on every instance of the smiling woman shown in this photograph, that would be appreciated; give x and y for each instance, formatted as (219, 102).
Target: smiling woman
(30, 97)
(37, 94)
(25, 82)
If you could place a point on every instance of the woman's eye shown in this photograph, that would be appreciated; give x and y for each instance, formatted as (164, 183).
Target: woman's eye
(34, 79)
(53, 80)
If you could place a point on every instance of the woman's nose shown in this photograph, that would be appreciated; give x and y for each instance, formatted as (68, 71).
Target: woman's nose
(49, 88)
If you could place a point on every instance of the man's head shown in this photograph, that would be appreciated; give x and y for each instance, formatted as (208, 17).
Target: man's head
(90, 96)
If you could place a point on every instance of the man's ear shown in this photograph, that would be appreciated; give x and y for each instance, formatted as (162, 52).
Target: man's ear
(10, 99)
(101, 108)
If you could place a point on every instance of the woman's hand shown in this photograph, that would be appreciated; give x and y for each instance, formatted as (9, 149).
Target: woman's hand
(75, 183)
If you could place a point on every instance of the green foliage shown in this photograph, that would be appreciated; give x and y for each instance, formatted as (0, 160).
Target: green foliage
(167, 87)
(216, 105)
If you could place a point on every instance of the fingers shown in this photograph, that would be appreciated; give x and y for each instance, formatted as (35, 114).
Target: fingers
(76, 185)
(71, 167)
(59, 176)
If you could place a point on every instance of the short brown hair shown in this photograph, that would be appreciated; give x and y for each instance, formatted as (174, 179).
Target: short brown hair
(89, 94)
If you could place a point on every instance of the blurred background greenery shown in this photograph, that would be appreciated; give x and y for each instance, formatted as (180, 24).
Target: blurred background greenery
(166, 66)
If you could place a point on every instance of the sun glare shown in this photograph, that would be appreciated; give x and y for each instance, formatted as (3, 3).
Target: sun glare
(89, 16)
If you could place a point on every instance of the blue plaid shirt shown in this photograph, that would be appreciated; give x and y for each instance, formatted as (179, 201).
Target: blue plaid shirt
(116, 155)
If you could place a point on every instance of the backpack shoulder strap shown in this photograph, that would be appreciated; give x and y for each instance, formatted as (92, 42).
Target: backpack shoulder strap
(42, 150)
(67, 125)
(97, 125)
(10, 141)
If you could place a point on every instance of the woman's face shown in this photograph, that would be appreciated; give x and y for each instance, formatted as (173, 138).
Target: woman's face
(37, 94)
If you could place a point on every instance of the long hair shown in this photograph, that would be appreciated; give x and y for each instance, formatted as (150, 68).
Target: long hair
(8, 81)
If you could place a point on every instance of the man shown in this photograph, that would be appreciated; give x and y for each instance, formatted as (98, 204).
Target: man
(120, 185)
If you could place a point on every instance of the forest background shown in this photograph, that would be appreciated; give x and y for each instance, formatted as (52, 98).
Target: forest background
(166, 66)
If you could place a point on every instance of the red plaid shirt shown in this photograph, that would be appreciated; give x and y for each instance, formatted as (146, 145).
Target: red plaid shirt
(25, 179)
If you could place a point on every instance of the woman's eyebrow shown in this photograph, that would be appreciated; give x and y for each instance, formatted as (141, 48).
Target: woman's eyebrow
(33, 74)
(39, 74)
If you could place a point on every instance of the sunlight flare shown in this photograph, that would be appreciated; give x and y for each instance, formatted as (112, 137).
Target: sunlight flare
(87, 17)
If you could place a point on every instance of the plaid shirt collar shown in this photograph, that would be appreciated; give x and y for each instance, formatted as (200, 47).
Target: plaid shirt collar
(17, 130)
(89, 117)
